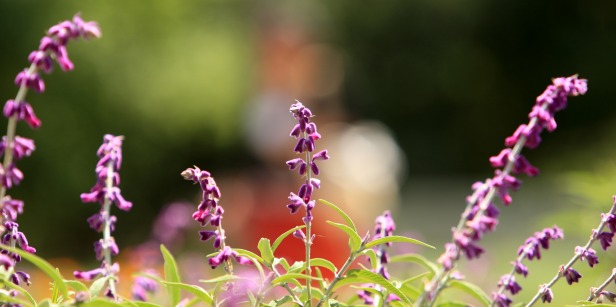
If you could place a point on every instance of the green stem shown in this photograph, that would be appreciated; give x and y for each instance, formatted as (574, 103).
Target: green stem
(339, 275)
(107, 231)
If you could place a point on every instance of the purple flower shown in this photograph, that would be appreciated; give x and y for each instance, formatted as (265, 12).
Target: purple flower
(546, 294)
(610, 219)
(587, 254)
(570, 275)
(23, 111)
(509, 283)
(144, 285)
(520, 268)
(605, 238)
(225, 254)
(30, 79)
(501, 300)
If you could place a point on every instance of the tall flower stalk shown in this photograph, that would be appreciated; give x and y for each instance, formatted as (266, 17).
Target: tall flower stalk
(106, 192)
(481, 215)
(14, 147)
(306, 134)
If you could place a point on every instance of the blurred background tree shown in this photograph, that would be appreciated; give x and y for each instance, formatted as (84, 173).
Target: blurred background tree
(183, 82)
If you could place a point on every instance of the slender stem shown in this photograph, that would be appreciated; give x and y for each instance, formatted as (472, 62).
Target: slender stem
(339, 275)
(569, 264)
(308, 241)
(107, 231)
(10, 133)
(521, 257)
(595, 291)
(285, 285)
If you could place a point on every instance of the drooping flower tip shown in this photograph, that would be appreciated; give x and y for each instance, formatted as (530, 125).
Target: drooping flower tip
(570, 274)
(588, 254)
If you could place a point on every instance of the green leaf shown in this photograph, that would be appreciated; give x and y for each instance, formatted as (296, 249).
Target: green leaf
(297, 267)
(414, 278)
(194, 290)
(452, 304)
(372, 256)
(289, 276)
(5, 296)
(410, 291)
(414, 258)
(249, 254)
(283, 236)
(21, 290)
(222, 278)
(266, 250)
(171, 275)
(281, 261)
(379, 280)
(319, 274)
(43, 266)
(354, 239)
(97, 286)
(342, 213)
(324, 263)
(396, 239)
(471, 289)
(145, 304)
(76, 285)
(256, 260)
(100, 302)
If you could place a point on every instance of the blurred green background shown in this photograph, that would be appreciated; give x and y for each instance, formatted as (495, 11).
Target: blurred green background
(182, 81)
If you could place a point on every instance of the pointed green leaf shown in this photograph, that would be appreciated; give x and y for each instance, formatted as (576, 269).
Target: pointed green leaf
(324, 263)
(396, 239)
(372, 256)
(379, 280)
(194, 290)
(319, 274)
(297, 267)
(283, 236)
(222, 278)
(345, 216)
(414, 278)
(266, 250)
(249, 254)
(21, 290)
(452, 304)
(100, 302)
(471, 289)
(171, 275)
(354, 239)
(289, 276)
(97, 286)
(281, 261)
(76, 285)
(256, 260)
(414, 258)
(43, 266)
(145, 304)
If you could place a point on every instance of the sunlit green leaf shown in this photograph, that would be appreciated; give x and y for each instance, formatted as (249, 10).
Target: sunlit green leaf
(396, 239)
(324, 263)
(222, 278)
(197, 291)
(471, 289)
(171, 275)
(100, 302)
(283, 236)
(451, 304)
(290, 276)
(21, 290)
(354, 239)
(76, 285)
(372, 256)
(249, 254)
(345, 216)
(374, 278)
(97, 286)
(297, 267)
(415, 258)
(43, 265)
(266, 250)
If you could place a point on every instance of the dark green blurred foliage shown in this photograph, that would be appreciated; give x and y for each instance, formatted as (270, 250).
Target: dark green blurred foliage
(452, 79)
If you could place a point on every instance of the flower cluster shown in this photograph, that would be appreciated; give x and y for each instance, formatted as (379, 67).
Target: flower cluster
(306, 134)
(105, 192)
(210, 212)
(14, 147)
(531, 249)
(385, 227)
(481, 215)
